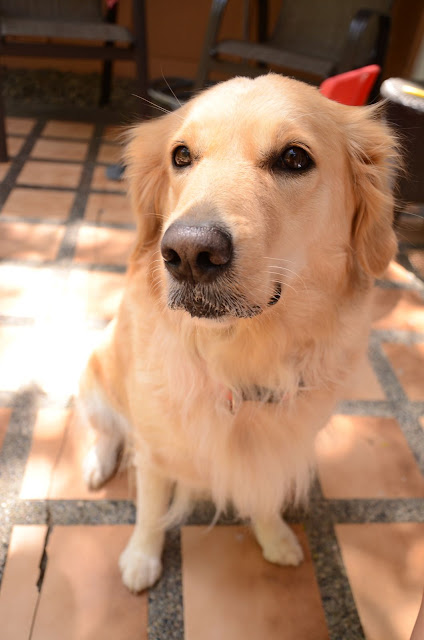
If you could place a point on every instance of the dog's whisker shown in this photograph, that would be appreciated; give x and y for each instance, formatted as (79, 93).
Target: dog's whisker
(297, 276)
(278, 259)
(156, 106)
(278, 269)
(170, 88)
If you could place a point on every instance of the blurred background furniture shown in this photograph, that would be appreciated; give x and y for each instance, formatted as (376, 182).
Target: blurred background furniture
(80, 29)
(405, 112)
(310, 41)
(353, 87)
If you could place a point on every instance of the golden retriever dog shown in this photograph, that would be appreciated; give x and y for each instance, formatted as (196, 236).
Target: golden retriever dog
(264, 213)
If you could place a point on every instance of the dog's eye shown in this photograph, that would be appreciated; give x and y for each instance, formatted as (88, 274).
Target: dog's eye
(294, 159)
(181, 156)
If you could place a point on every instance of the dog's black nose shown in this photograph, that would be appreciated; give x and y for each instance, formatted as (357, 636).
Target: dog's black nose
(196, 253)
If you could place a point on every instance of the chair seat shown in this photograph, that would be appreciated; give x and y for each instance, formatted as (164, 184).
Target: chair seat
(78, 30)
(263, 53)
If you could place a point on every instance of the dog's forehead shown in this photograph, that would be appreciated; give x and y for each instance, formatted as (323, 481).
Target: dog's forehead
(245, 106)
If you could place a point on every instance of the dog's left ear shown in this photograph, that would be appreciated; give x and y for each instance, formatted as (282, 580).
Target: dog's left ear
(374, 159)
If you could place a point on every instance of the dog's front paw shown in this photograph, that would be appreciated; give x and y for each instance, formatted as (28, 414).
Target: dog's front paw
(139, 570)
(98, 467)
(279, 544)
(285, 551)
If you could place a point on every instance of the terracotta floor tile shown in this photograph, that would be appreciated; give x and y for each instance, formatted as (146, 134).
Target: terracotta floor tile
(82, 595)
(27, 291)
(231, 592)
(4, 168)
(46, 446)
(17, 357)
(104, 246)
(54, 467)
(39, 203)
(23, 241)
(385, 568)
(4, 422)
(396, 273)
(63, 129)
(14, 145)
(366, 457)
(67, 480)
(19, 125)
(363, 384)
(397, 309)
(109, 207)
(110, 153)
(408, 364)
(101, 182)
(19, 593)
(96, 294)
(50, 174)
(59, 150)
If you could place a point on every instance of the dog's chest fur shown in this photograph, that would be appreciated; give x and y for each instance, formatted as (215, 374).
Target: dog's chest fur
(212, 423)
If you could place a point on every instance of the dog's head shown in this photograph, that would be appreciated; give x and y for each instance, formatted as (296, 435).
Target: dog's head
(255, 186)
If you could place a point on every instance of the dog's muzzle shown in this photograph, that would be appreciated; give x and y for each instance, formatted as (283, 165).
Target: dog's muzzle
(199, 260)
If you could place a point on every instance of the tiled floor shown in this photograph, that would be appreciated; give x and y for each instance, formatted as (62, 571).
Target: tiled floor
(65, 233)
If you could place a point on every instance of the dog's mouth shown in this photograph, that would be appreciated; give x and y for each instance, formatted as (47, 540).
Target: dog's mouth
(211, 302)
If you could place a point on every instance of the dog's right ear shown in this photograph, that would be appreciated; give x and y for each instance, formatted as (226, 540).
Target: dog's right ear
(146, 160)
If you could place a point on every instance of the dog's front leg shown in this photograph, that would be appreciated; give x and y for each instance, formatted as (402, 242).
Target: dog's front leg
(140, 562)
(279, 543)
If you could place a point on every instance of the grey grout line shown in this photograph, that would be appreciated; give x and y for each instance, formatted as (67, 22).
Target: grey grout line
(112, 192)
(340, 611)
(13, 457)
(398, 336)
(168, 621)
(403, 412)
(17, 163)
(361, 511)
(67, 248)
(339, 607)
(48, 187)
(114, 512)
(415, 285)
(50, 160)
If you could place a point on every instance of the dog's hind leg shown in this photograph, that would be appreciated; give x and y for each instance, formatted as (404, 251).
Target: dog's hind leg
(279, 543)
(140, 562)
(102, 459)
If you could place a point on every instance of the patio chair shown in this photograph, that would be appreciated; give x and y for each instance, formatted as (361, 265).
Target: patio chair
(311, 40)
(67, 21)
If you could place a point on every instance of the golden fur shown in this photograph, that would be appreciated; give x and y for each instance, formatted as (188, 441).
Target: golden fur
(164, 379)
